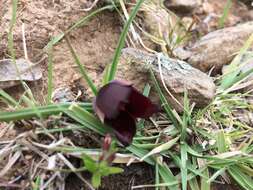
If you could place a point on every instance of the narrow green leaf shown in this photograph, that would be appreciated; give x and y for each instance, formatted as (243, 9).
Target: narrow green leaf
(140, 152)
(216, 174)
(233, 74)
(82, 69)
(161, 148)
(241, 178)
(194, 184)
(89, 164)
(121, 43)
(221, 142)
(184, 158)
(87, 119)
(224, 16)
(28, 113)
(167, 176)
(157, 177)
(50, 74)
(96, 179)
(204, 184)
(9, 100)
(165, 104)
(106, 75)
(114, 170)
(37, 183)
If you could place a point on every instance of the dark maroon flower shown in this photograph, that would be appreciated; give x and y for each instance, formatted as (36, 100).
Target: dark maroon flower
(118, 104)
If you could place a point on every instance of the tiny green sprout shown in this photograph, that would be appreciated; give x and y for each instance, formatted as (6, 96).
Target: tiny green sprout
(102, 167)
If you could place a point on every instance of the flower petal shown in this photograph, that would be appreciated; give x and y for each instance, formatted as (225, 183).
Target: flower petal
(140, 105)
(111, 99)
(124, 127)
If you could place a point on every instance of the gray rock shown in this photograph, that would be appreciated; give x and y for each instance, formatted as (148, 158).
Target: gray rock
(178, 76)
(9, 76)
(218, 48)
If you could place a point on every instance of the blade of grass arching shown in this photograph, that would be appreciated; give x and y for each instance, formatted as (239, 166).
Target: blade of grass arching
(29, 93)
(50, 74)
(242, 179)
(221, 142)
(224, 16)
(28, 113)
(8, 99)
(186, 117)
(216, 174)
(246, 169)
(146, 145)
(161, 148)
(121, 43)
(165, 104)
(32, 105)
(140, 152)
(81, 68)
(230, 77)
(184, 158)
(193, 183)
(167, 176)
(190, 167)
(77, 24)
(62, 129)
(86, 118)
(203, 181)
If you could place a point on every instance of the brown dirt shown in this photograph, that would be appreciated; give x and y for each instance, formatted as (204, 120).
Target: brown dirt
(94, 43)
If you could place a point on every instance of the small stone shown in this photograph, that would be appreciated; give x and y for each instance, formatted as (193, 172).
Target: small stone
(9, 76)
(182, 6)
(218, 48)
(63, 94)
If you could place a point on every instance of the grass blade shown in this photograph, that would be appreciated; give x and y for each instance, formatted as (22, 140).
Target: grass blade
(194, 184)
(50, 74)
(161, 148)
(224, 16)
(184, 158)
(242, 179)
(204, 184)
(165, 104)
(28, 113)
(113, 68)
(231, 77)
(221, 142)
(87, 119)
(9, 100)
(81, 68)
(216, 174)
(168, 177)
